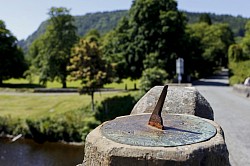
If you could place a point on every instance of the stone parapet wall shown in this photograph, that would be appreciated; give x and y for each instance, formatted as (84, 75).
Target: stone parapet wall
(179, 100)
(242, 89)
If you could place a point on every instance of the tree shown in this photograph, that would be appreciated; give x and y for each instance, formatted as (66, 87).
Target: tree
(218, 38)
(213, 41)
(247, 28)
(152, 77)
(235, 53)
(205, 18)
(87, 65)
(246, 41)
(239, 56)
(195, 65)
(151, 27)
(51, 51)
(152, 60)
(12, 62)
(93, 35)
(240, 71)
(114, 45)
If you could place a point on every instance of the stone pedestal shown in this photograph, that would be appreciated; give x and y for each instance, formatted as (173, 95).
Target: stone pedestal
(181, 100)
(100, 151)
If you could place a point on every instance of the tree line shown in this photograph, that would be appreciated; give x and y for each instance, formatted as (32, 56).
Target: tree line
(106, 21)
(144, 45)
(239, 58)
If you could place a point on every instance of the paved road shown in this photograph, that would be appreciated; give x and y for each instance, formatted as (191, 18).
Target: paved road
(232, 112)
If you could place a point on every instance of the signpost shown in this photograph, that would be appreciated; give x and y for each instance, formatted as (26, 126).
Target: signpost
(180, 68)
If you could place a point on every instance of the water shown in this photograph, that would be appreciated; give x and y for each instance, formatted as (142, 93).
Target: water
(25, 152)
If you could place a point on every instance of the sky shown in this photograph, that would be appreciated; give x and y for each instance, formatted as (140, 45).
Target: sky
(23, 17)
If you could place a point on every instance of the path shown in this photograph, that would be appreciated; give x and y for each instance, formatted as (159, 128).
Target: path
(232, 112)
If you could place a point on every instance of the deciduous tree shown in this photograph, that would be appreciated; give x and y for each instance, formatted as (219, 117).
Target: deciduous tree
(88, 65)
(235, 53)
(246, 41)
(213, 41)
(51, 51)
(12, 62)
(151, 27)
(205, 18)
(152, 77)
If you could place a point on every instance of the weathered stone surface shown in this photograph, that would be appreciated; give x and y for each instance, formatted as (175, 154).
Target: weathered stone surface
(242, 89)
(100, 151)
(181, 100)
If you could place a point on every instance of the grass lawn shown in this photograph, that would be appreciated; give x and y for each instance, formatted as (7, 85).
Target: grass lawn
(31, 105)
(23, 82)
(55, 84)
(130, 84)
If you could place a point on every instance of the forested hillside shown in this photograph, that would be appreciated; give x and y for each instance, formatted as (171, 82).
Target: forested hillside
(105, 21)
(102, 21)
(237, 24)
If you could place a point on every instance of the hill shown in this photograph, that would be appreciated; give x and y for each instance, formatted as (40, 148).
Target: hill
(236, 23)
(105, 21)
(102, 21)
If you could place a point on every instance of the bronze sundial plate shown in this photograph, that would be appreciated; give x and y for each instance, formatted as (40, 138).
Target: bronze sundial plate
(178, 130)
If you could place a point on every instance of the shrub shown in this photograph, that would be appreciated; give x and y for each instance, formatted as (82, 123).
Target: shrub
(235, 53)
(239, 71)
(70, 127)
(12, 126)
(113, 107)
(152, 77)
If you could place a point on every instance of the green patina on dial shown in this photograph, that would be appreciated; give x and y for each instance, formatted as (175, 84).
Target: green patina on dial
(178, 130)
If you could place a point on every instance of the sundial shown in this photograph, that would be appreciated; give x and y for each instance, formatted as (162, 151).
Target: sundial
(153, 130)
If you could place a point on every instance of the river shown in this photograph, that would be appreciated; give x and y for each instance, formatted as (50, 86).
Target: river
(25, 152)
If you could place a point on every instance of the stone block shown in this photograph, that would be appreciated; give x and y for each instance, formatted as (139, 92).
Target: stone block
(242, 89)
(100, 151)
(179, 100)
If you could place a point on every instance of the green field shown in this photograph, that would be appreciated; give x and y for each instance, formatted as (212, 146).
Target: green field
(72, 84)
(31, 105)
(51, 114)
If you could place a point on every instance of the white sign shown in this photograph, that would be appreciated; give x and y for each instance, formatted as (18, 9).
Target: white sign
(180, 66)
